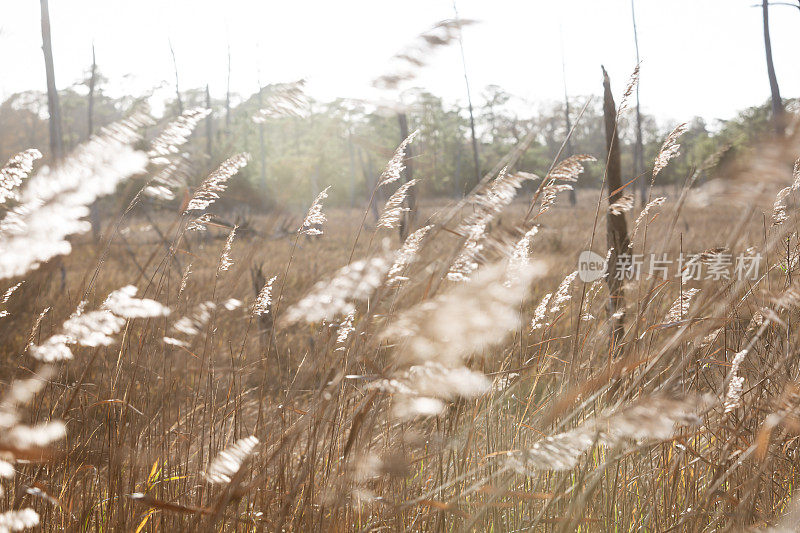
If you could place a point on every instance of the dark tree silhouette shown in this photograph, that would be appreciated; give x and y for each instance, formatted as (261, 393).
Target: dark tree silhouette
(92, 85)
(475, 157)
(573, 197)
(209, 130)
(638, 146)
(777, 102)
(177, 85)
(228, 95)
(56, 143)
(94, 210)
(409, 216)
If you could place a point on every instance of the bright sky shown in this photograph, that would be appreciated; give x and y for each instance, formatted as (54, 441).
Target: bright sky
(700, 57)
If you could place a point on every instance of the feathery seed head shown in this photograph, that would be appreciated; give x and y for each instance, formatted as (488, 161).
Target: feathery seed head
(463, 321)
(264, 298)
(175, 134)
(312, 223)
(623, 205)
(669, 149)
(394, 209)
(123, 304)
(225, 260)
(230, 460)
(329, 299)
(215, 184)
(540, 313)
(15, 170)
(406, 255)
(570, 168)
(18, 520)
(396, 164)
(562, 295)
(56, 199)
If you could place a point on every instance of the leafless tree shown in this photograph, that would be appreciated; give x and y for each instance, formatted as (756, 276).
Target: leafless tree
(262, 151)
(177, 85)
(92, 84)
(352, 159)
(56, 143)
(568, 147)
(94, 211)
(777, 102)
(789, 4)
(209, 131)
(409, 216)
(228, 94)
(638, 147)
(475, 157)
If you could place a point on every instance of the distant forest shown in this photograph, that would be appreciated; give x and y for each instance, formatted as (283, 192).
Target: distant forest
(306, 145)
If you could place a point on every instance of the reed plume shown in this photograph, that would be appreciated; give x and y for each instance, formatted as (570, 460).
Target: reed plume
(56, 199)
(315, 218)
(15, 170)
(215, 184)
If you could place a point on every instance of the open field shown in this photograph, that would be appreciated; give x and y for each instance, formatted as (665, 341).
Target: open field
(341, 449)
(335, 267)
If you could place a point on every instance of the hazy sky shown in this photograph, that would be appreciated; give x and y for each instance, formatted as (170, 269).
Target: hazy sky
(700, 57)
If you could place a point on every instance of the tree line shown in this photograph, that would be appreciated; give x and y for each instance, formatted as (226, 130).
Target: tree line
(301, 145)
(345, 143)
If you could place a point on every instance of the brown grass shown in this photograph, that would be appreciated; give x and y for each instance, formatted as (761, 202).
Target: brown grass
(638, 440)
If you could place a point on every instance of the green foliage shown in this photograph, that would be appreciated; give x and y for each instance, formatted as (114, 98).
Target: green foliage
(346, 143)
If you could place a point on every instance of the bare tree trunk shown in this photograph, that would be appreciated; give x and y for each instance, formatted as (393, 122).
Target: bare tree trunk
(638, 147)
(228, 94)
(94, 210)
(616, 226)
(407, 222)
(568, 148)
(457, 188)
(371, 181)
(92, 83)
(209, 131)
(262, 152)
(53, 110)
(56, 142)
(475, 158)
(777, 102)
(573, 197)
(314, 181)
(351, 153)
(177, 85)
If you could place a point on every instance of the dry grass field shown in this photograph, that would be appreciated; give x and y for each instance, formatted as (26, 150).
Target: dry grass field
(370, 398)
(231, 301)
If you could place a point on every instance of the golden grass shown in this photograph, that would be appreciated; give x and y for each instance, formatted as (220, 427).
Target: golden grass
(145, 419)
